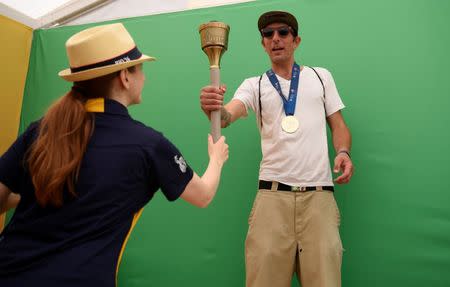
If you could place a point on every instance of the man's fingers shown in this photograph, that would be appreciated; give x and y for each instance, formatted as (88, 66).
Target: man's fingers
(342, 179)
(338, 179)
(206, 101)
(211, 102)
(212, 89)
(345, 165)
(337, 164)
(211, 108)
(211, 105)
(213, 96)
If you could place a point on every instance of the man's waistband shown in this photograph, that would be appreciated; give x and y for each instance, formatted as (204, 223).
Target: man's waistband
(278, 186)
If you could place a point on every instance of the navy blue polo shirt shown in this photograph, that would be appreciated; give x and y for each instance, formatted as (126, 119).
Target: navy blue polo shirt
(80, 243)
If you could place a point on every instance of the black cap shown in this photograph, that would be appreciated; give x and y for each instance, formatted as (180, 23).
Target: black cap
(278, 17)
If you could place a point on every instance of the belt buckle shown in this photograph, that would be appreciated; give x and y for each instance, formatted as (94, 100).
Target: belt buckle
(298, 188)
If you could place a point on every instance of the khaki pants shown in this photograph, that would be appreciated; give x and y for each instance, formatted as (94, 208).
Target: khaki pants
(293, 232)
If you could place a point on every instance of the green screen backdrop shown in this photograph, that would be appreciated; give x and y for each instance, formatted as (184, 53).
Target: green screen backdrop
(390, 63)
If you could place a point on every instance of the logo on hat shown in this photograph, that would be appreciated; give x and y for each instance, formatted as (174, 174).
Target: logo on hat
(123, 60)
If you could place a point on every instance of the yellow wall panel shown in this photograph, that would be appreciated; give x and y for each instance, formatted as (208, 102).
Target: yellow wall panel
(15, 45)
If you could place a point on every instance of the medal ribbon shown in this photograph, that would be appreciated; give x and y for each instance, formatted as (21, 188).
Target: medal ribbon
(289, 104)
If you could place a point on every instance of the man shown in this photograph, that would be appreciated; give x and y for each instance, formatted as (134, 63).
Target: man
(294, 222)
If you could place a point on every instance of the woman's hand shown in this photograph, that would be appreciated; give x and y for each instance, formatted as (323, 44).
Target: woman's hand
(218, 152)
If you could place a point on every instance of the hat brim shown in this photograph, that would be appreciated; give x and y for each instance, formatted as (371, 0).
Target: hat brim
(101, 71)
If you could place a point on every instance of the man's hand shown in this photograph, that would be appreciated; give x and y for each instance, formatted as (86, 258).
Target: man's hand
(211, 99)
(343, 163)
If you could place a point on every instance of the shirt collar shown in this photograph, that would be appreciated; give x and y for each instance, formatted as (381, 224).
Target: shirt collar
(107, 106)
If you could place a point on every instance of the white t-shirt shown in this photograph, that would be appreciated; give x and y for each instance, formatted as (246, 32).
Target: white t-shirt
(300, 158)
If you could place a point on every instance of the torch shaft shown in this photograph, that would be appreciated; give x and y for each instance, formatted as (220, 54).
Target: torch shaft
(215, 115)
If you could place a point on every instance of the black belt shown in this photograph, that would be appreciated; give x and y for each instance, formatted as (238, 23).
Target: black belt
(284, 187)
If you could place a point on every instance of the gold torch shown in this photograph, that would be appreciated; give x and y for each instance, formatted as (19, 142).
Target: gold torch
(214, 39)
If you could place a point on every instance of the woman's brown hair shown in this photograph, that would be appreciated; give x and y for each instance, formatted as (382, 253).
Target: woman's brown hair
(55, 157)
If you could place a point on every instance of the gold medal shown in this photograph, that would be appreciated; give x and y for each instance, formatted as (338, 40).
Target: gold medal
(290, 124)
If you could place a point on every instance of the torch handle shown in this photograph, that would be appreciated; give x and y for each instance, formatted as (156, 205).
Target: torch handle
(215, 115)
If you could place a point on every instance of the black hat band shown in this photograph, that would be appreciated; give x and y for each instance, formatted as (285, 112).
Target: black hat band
(131, 55)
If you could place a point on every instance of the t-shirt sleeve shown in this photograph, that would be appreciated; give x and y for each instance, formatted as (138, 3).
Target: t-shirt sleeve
(247, 93)
(172, 171)
(333, 102)
(13, 161)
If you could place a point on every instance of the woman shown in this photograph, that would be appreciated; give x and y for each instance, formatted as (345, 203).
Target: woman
(86, 169)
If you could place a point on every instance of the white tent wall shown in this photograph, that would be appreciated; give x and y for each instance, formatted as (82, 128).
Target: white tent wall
(119, 9)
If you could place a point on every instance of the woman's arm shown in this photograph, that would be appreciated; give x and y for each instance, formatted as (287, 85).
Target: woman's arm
(200, 191)
(8, 199)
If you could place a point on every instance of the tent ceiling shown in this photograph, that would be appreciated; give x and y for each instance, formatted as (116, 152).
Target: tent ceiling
(48, 13)
(34, 9)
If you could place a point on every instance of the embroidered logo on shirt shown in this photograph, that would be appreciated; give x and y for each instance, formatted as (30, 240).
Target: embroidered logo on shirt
(181, 163)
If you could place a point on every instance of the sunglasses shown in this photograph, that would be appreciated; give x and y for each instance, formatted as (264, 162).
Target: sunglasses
(269, 32)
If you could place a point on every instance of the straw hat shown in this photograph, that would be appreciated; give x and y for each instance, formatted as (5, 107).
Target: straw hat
(100, 51)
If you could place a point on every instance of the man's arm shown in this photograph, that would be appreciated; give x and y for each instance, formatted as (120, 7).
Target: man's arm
(211, 99)
(342, 142)
(232, 111)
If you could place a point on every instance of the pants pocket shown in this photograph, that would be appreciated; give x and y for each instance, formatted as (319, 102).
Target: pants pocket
(336, 212)
(253, 210)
